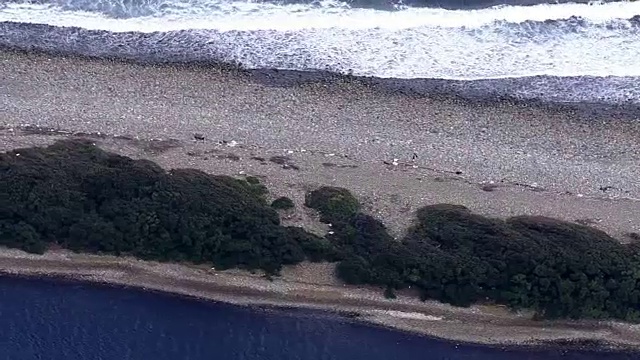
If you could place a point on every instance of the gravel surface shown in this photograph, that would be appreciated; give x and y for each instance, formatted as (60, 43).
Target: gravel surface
(529, 159)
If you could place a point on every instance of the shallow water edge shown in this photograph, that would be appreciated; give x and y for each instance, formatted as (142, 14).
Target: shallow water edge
(313, 300)
(559, 345)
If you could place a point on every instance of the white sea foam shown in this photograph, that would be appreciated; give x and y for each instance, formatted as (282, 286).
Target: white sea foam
(499, 42)
(251, 16)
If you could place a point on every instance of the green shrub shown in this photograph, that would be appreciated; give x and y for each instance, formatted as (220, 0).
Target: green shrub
(282, 203)
(389, 293)
(335, 205)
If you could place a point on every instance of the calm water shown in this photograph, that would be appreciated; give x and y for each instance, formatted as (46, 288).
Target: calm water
(44, 319)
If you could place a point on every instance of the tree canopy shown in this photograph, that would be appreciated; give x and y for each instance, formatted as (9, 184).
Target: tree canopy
(82, 198)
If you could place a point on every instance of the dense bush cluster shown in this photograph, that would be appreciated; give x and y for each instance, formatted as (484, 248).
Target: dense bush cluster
(84, 199)
(559, 269)
(77, 196)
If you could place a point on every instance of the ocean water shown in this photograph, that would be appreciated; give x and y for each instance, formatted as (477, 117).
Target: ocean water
(564, 52)
(55, 320)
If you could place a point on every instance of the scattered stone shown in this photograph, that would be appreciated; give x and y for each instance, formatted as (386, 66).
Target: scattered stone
(291, 166)
(198, 137)
(587, 222)
(231, 143)
(258, 158)
(342, 166)
(634, 236)
(280, 160)
(229, 156)
(490, 187)
(285, 161)
(157, 146)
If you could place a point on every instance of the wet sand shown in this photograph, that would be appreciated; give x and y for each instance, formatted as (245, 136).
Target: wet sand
(497, 158)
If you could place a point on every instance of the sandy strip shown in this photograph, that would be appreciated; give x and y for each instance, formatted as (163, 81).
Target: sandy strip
(302, 287)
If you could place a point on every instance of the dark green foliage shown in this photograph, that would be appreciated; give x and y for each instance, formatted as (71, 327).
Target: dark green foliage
(282, 203)
(252, 180)
(557, 268)
(317, 249)
(335, 205)
(79, 197)
(84, 199)
(253, 184)
(389, 293)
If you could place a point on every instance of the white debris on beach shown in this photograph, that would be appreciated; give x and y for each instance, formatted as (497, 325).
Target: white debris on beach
(408, 315)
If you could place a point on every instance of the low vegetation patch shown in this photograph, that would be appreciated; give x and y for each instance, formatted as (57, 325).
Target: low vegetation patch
(282, 203)
(335, 205)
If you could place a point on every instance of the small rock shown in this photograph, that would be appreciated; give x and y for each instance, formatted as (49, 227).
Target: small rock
(198, 137)
(489, 187)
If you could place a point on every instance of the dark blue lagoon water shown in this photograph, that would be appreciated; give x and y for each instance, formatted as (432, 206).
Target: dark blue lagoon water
(54, 320)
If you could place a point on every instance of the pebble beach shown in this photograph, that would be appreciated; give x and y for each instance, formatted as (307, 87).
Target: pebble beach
(396, 151)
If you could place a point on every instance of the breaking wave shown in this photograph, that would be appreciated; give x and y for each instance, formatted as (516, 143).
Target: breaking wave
(596, 43)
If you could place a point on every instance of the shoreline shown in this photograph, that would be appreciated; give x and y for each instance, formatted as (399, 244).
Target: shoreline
(441, 89)
(478, 325)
